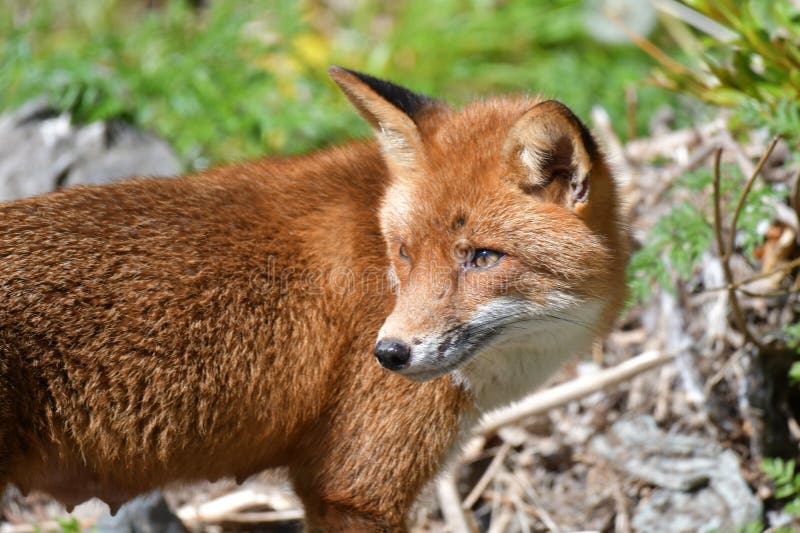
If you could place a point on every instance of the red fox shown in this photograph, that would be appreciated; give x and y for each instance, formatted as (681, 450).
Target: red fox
(213, 325)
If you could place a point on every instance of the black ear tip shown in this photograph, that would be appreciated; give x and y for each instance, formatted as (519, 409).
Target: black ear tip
(400, 97)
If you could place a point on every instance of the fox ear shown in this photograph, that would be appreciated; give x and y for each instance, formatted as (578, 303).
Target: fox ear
(389, 109)
(550, 153)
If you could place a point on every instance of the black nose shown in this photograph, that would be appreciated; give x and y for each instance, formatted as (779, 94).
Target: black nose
(392, 353)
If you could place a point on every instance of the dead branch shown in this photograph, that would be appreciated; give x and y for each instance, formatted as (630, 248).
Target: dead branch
(725, 253)
(487, 476)
(746, 190)
(450, 504)
(642, 150)
(670, 174)
(265, 517)
(576, 389)
(741, 283)
(231, 507)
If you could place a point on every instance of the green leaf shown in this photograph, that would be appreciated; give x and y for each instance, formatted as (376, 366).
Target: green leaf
(793, 507)
(758, 67)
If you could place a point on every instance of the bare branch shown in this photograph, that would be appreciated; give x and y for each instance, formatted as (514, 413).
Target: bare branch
(576, 389)
(745, 192)
(724, 253)
(486, 478)
(450, 503)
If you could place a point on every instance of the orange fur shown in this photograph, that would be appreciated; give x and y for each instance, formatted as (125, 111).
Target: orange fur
(219, 324)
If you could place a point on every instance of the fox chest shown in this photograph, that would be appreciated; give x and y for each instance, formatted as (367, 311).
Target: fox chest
(510, 369)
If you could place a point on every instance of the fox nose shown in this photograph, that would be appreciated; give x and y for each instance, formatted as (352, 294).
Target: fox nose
(392, 354)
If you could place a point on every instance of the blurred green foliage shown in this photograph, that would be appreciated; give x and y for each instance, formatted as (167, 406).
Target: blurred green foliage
(241, 79)
(752, 64)
(68, 525)
(792, 334)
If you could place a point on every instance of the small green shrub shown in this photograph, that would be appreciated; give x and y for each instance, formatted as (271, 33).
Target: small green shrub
(676, 243)
(753, 67)
(786, 478)
(674, 246)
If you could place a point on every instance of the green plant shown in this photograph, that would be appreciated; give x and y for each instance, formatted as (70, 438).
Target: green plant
(792, 333)
(205, 80)
(784, 475)
(753, 527)
(674, 247)
(69, 525)
(241, 79)
(751, 64)
(676, 243)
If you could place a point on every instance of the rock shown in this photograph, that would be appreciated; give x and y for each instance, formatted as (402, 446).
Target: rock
(129, 152)
(699, 486)
(145, 514)
(42, 150)
(695, 512)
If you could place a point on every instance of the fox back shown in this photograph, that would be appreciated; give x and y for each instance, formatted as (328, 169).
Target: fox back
(215, 325)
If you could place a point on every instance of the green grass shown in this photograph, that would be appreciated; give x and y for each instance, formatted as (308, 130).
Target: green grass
(242, 79)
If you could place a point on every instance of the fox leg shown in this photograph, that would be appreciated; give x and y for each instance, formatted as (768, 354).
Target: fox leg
(342, 501)
(324, 517)
(363, 465)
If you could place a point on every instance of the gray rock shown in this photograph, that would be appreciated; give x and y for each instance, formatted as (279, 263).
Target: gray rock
(699, 486)
(145, 514)
(695, 513)
(42, 150)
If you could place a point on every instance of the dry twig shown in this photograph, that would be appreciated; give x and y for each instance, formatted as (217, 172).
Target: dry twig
(572, 390)
(230, 507)
(741, 283)
(450, 504)
(486, 478)
(725, 252)
(745, 192)
(642, 150)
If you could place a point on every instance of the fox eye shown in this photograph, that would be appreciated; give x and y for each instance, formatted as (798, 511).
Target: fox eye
(484, 258)
(402, 253)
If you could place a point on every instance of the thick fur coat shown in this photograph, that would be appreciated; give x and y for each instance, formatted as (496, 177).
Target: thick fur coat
(219, 324)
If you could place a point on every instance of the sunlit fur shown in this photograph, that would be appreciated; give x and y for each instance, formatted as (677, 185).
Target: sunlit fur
(558, 286)
(219, 324)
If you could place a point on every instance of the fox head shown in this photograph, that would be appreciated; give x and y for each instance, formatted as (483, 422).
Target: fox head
(501, 225)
